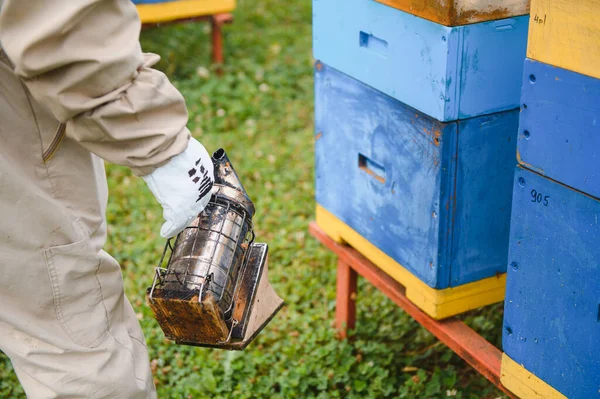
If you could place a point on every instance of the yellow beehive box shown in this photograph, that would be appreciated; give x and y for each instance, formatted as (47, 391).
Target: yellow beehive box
(566, 33)
(461, 12)
(152, 11)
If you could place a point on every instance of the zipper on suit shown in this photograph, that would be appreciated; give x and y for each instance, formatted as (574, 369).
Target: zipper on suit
(58, 138)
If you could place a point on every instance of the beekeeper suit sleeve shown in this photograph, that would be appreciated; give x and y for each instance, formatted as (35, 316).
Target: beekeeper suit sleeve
(83, 61)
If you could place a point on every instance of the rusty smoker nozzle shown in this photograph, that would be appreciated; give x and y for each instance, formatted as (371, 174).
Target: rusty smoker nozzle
(227, 179)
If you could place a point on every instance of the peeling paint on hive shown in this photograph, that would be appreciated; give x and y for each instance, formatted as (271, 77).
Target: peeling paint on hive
(461, 12)
(380, 179)
(527, 165)
(489, 13)
(418, 197)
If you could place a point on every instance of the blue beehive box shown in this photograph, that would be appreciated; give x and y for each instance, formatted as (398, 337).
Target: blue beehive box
(428, 202)
(445, 72)
(560, 126)
(552, 308)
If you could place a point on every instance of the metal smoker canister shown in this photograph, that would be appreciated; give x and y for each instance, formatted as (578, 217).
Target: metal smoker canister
(209, 255)
(205, 294)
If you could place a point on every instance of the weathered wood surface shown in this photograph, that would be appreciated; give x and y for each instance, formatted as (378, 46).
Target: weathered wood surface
(559, 133)
(440, 208)
(461, 12)
(566, 33)
(552, 311)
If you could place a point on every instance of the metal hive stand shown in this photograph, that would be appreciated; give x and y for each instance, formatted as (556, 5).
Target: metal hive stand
(455, 334)
(216, 22)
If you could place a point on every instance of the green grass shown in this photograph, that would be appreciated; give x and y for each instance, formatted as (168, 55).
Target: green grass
(261, 112)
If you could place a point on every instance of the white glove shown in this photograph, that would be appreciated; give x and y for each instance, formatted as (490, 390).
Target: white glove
(183, 187)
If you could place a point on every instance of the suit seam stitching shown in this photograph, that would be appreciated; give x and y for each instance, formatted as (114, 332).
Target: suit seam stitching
(56, 293)
(16, 365)
(58, 308)
(101, 338)
(130, 352)
(138, 340)
(109, 329)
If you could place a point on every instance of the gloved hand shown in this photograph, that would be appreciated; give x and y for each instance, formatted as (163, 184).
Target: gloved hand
(183, 187)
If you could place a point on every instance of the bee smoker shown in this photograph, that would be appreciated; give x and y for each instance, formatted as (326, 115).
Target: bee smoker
(215, 291)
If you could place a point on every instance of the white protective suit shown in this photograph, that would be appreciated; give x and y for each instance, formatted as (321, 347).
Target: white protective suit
(76, 89)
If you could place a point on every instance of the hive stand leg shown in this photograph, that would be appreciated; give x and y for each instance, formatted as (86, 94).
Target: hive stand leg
(345, 311)
(217, 22)
(217, 41)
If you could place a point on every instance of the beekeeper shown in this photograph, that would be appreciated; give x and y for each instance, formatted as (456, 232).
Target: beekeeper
(76, 89)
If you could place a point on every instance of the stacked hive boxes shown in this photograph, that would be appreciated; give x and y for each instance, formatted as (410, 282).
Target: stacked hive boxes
(154, 11)
(552, 320)
(416, 126)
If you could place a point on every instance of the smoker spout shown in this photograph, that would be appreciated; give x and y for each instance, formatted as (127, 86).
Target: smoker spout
(225, 175)
(227, 179)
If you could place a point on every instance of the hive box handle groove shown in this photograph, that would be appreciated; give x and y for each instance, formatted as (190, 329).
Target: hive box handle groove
(372, 168)
(505, 25)
(373, 43)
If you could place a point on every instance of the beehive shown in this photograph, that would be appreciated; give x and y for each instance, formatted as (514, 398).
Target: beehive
(426, 201)
(448, 73)
(551, 334)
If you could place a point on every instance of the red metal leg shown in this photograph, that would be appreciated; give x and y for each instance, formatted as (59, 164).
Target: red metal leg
(345, 309)
(217, 22)
(469, 345)
(217, 41)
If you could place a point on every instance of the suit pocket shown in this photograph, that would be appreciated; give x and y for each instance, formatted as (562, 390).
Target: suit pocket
(78, 298)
